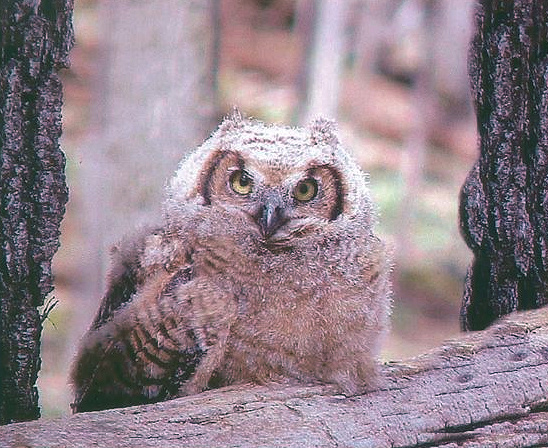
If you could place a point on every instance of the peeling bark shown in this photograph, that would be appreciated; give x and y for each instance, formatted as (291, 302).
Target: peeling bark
(486, 389)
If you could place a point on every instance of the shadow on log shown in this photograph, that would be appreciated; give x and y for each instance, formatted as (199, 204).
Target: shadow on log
(488, 388)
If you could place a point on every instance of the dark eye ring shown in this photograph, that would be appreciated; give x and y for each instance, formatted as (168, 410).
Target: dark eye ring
(306, 190)
(241, 182)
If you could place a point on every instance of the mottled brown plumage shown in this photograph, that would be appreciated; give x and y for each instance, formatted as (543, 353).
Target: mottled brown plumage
(266, 268)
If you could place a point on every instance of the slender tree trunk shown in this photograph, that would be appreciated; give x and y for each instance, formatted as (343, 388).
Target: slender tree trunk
(35, 38)
(416, 141)
(155, 101)
(504, 201)
(373, 30)
(324, 58)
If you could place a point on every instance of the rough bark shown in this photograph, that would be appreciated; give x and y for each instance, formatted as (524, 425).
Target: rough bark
(504, 216)
(487, 389)
(35, 38)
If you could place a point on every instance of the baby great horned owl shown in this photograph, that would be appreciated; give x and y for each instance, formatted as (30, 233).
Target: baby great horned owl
(265, 268)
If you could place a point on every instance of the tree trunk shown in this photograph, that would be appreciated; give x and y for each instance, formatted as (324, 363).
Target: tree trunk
(324, 56)
(35, 38)
(154, 102)
(485, 389)
(504, 213)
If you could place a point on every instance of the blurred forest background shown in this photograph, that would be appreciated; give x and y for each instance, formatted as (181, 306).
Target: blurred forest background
(150, 79)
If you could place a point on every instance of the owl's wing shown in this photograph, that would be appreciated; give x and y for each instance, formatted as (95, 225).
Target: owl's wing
(125, 361)
(126, 274)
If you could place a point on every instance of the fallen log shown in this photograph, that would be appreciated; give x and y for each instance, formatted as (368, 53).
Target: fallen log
(485, 389)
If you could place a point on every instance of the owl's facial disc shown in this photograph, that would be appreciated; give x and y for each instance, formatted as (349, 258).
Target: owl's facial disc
(285, 203)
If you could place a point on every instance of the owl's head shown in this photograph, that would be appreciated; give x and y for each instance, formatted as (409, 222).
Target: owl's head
(288, 181)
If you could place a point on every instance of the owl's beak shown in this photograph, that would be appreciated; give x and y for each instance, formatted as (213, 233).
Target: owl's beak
(270, 218)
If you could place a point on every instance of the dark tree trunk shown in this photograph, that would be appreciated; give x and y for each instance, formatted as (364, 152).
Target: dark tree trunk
(35, 38)
(504, 201)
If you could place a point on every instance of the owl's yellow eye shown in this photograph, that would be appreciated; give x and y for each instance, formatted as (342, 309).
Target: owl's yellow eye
(241, 182)
(306, 190)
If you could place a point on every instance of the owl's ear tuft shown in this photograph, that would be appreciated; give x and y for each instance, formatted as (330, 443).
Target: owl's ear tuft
(323, 132)
(234, 121)
(236, 115)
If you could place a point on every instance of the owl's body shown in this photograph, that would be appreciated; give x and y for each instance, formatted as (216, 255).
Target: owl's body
(265, 268)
